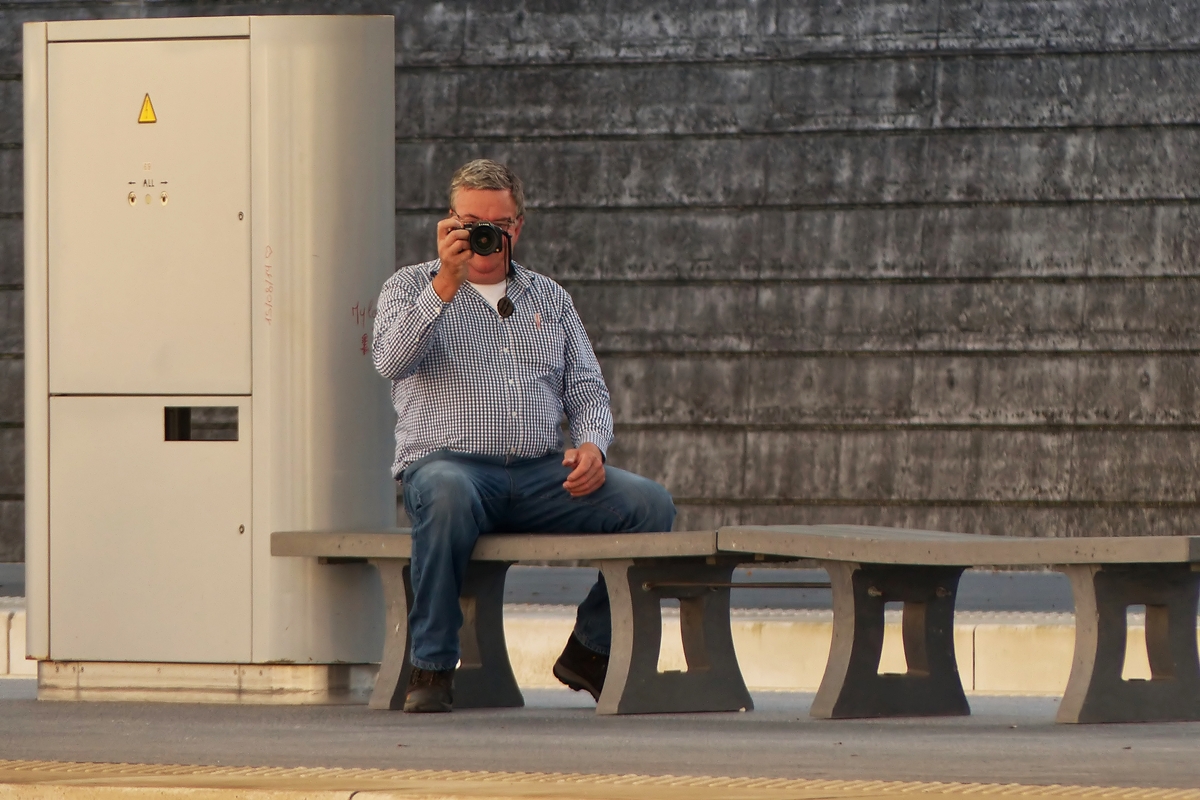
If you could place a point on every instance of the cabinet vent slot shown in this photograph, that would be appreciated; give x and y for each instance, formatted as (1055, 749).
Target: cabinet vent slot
(201, 423)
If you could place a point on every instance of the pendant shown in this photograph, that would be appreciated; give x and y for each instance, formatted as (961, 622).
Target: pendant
(505, 307)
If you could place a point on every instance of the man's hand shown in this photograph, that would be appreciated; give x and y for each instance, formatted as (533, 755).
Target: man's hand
(588, 475)
(454, 249)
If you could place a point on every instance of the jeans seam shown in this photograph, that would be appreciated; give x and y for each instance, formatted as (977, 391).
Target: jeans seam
(589, 644)
(591, 503)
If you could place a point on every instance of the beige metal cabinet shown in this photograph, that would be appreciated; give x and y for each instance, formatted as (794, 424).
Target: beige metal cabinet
(149, 261)
(209, 216)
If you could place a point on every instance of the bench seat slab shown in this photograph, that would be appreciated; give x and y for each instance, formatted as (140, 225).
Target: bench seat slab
(484, 678)
(713, 680)
(866, 544)
(1095, 691)
(852, 686)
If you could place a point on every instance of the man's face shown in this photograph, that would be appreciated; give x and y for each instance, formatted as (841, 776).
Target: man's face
(497, 207)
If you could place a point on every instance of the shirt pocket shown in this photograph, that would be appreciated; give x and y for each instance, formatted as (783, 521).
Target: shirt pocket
(543, 341)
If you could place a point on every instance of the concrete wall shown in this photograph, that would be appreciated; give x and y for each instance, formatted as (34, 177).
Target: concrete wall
(914, 262)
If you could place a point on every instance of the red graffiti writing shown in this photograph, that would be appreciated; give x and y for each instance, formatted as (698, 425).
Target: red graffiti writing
(363, 314)
(268, 292)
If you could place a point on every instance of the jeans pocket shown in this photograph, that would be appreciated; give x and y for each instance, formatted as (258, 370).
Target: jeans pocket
(412, 499)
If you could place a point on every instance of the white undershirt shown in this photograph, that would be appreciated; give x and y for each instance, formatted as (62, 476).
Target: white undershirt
(492, 292)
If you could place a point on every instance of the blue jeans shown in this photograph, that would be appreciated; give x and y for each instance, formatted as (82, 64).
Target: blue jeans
(452, 498)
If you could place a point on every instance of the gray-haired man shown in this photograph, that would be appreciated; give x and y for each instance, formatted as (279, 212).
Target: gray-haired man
(485, 358)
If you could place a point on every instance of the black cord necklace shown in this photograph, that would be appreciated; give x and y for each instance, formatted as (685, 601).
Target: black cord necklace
(505, 306)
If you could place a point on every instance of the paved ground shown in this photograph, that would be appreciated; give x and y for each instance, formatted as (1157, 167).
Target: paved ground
(1006, 740)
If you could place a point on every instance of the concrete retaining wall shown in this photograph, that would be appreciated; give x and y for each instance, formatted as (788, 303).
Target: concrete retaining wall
(914, 262)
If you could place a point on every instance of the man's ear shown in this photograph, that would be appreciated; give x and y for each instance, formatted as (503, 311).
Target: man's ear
(516, 234)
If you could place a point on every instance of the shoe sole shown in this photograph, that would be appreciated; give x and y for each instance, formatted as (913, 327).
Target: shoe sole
(575, 682)
(433, 708)
(425, 701)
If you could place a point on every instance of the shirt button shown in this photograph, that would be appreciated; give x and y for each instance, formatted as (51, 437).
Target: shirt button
(506, 349)
(511, 383)
(514, 414)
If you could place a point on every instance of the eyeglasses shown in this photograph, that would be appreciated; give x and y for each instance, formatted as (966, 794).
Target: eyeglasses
(505, 225)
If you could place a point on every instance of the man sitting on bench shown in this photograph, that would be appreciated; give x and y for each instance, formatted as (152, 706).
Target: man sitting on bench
(485, 357)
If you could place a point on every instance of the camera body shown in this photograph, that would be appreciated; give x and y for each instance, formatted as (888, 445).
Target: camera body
(485, 238)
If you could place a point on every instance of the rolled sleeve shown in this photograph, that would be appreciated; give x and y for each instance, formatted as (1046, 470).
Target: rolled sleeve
(586, 399)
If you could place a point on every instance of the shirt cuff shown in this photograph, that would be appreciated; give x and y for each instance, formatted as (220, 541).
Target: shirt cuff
(601, 442)
(430, 303)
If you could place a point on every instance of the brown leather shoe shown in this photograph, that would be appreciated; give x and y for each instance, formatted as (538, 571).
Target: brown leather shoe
(581, 668)
(429, 691)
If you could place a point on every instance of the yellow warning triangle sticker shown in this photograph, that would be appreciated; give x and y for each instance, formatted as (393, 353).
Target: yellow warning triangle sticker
(147, 114)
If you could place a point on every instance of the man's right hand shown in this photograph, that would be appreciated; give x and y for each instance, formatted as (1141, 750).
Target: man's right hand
(454, 250)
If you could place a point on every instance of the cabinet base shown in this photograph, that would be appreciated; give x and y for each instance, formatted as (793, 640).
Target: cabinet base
(251, 684)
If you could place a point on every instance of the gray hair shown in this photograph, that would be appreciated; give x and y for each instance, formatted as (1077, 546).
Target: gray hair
(483, 173)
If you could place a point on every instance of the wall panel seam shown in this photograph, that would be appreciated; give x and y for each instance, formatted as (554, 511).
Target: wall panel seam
(941, 131)
(1056, 428)
(933, 53)
(894, 502)
(683, 206)
(891, 280)
(658, 353)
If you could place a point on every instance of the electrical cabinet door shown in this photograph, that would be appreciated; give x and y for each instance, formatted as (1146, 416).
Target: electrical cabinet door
(148, 217)
(150, 535)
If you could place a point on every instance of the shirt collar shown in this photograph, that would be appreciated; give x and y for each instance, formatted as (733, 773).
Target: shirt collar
(520, 278)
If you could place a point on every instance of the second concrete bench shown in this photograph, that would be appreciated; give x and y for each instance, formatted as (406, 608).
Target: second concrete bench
(870, 567)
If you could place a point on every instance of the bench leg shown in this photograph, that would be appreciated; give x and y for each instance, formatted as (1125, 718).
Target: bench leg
(852, 686)
(392, 679)
(484, 678)
(633, 685)
(1095, 691)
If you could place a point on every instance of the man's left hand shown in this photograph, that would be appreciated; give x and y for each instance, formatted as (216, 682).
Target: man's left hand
(588, 475)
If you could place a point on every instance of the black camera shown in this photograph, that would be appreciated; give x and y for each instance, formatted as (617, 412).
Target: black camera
(486, 238)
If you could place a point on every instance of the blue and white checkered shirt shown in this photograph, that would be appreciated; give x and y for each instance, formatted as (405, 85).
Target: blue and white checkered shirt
(464, 379)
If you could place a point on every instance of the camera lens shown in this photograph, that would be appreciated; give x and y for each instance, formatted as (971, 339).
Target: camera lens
(486, 238)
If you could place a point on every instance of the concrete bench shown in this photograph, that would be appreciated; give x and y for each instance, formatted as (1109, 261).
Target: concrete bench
(870, 567)
(640, 569)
